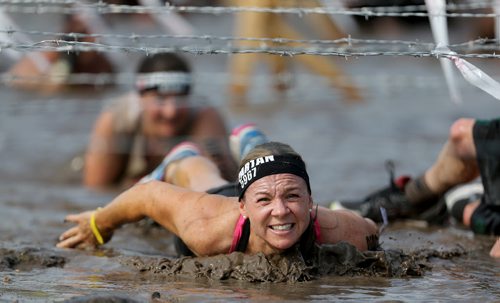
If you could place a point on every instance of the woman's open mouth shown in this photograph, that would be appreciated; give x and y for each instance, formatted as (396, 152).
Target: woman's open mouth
(282, 227)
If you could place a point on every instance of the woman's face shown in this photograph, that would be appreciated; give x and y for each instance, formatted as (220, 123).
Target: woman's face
(278, 207)
(164, 114)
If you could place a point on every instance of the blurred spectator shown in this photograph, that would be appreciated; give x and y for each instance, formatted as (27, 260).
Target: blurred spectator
(251, 24)
(48, 71)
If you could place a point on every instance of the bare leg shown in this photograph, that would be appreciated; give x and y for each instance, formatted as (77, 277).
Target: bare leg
(322, 66)
(196, 173)
(456, 163)
(468, 211)
(495, 250)
(248, 25)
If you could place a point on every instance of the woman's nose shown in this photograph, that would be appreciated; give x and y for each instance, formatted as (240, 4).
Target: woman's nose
(280, 207)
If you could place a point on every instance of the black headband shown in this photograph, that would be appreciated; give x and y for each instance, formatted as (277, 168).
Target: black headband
(264, 166)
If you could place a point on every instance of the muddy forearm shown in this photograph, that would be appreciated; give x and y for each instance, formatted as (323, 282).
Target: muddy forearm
(130, 206)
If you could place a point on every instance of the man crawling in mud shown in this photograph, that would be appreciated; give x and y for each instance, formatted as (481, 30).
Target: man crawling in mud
(269, 210)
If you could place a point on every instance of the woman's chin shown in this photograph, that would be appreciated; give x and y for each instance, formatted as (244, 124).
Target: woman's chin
(283, 244)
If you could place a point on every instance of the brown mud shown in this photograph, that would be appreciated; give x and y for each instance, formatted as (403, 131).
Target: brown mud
(341, 259)
(406, 118)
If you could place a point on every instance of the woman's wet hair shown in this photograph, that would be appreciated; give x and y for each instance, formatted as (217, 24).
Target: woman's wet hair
(269, 148)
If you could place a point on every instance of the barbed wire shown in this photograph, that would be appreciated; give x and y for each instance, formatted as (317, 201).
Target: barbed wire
(58, 45)
(212, 38)
(347, 47)
(68, 7)
(471, 45)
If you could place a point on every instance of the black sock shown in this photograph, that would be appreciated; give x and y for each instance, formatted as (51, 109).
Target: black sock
(419, 194)
(457, 210)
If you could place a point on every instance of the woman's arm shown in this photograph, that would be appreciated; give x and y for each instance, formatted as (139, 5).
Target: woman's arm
(130, 206)
(345, 225)
(203, 221)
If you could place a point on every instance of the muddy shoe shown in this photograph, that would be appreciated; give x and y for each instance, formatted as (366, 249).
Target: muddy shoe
(395, 203)
(391, 198)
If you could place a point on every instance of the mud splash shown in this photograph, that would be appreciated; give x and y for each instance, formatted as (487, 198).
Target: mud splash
(340, 259)
(27, 259)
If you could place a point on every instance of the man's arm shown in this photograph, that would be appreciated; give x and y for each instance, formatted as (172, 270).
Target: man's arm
(106, 155)
(211, 132)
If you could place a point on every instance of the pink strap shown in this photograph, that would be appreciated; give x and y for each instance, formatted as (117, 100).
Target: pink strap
(238, 230)
(317, 231)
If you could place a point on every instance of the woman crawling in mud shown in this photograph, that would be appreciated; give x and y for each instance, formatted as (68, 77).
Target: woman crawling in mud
(269, 210)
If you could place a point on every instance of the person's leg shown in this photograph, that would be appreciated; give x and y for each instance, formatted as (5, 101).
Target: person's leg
(196, 173)
(456, 162)
(484, 217)
(244, 138)
(183, 166)
(421, 197)
(495, 250)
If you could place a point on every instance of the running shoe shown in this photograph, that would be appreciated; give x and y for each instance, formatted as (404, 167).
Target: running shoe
(180, 151)
(392, 199)
(457, 198)
(392, 203)
(243, 139)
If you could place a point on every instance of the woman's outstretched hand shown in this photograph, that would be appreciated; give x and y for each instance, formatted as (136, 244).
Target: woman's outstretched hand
(79, 236)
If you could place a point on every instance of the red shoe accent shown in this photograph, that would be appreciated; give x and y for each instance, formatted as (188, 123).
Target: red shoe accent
(401, 181)
(238, 129)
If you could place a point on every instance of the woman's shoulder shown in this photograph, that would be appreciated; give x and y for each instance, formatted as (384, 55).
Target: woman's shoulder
(212, 226)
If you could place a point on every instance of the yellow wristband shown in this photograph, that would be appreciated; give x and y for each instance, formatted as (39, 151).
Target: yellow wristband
(94, 228)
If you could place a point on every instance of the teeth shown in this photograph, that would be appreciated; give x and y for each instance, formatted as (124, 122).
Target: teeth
(282, 227)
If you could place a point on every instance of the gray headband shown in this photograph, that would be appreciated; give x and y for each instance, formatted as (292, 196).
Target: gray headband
(164, 82)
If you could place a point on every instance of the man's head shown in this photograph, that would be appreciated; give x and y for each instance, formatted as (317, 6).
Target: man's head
(164, 83)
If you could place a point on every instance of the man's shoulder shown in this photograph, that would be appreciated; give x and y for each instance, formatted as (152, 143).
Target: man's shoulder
(127, 108)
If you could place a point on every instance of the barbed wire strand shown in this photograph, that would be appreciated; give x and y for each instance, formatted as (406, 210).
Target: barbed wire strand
(45, 7)
(471, 45)
(76, 46)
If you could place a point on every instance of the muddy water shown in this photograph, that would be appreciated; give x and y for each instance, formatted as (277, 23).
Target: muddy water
(405, 118)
